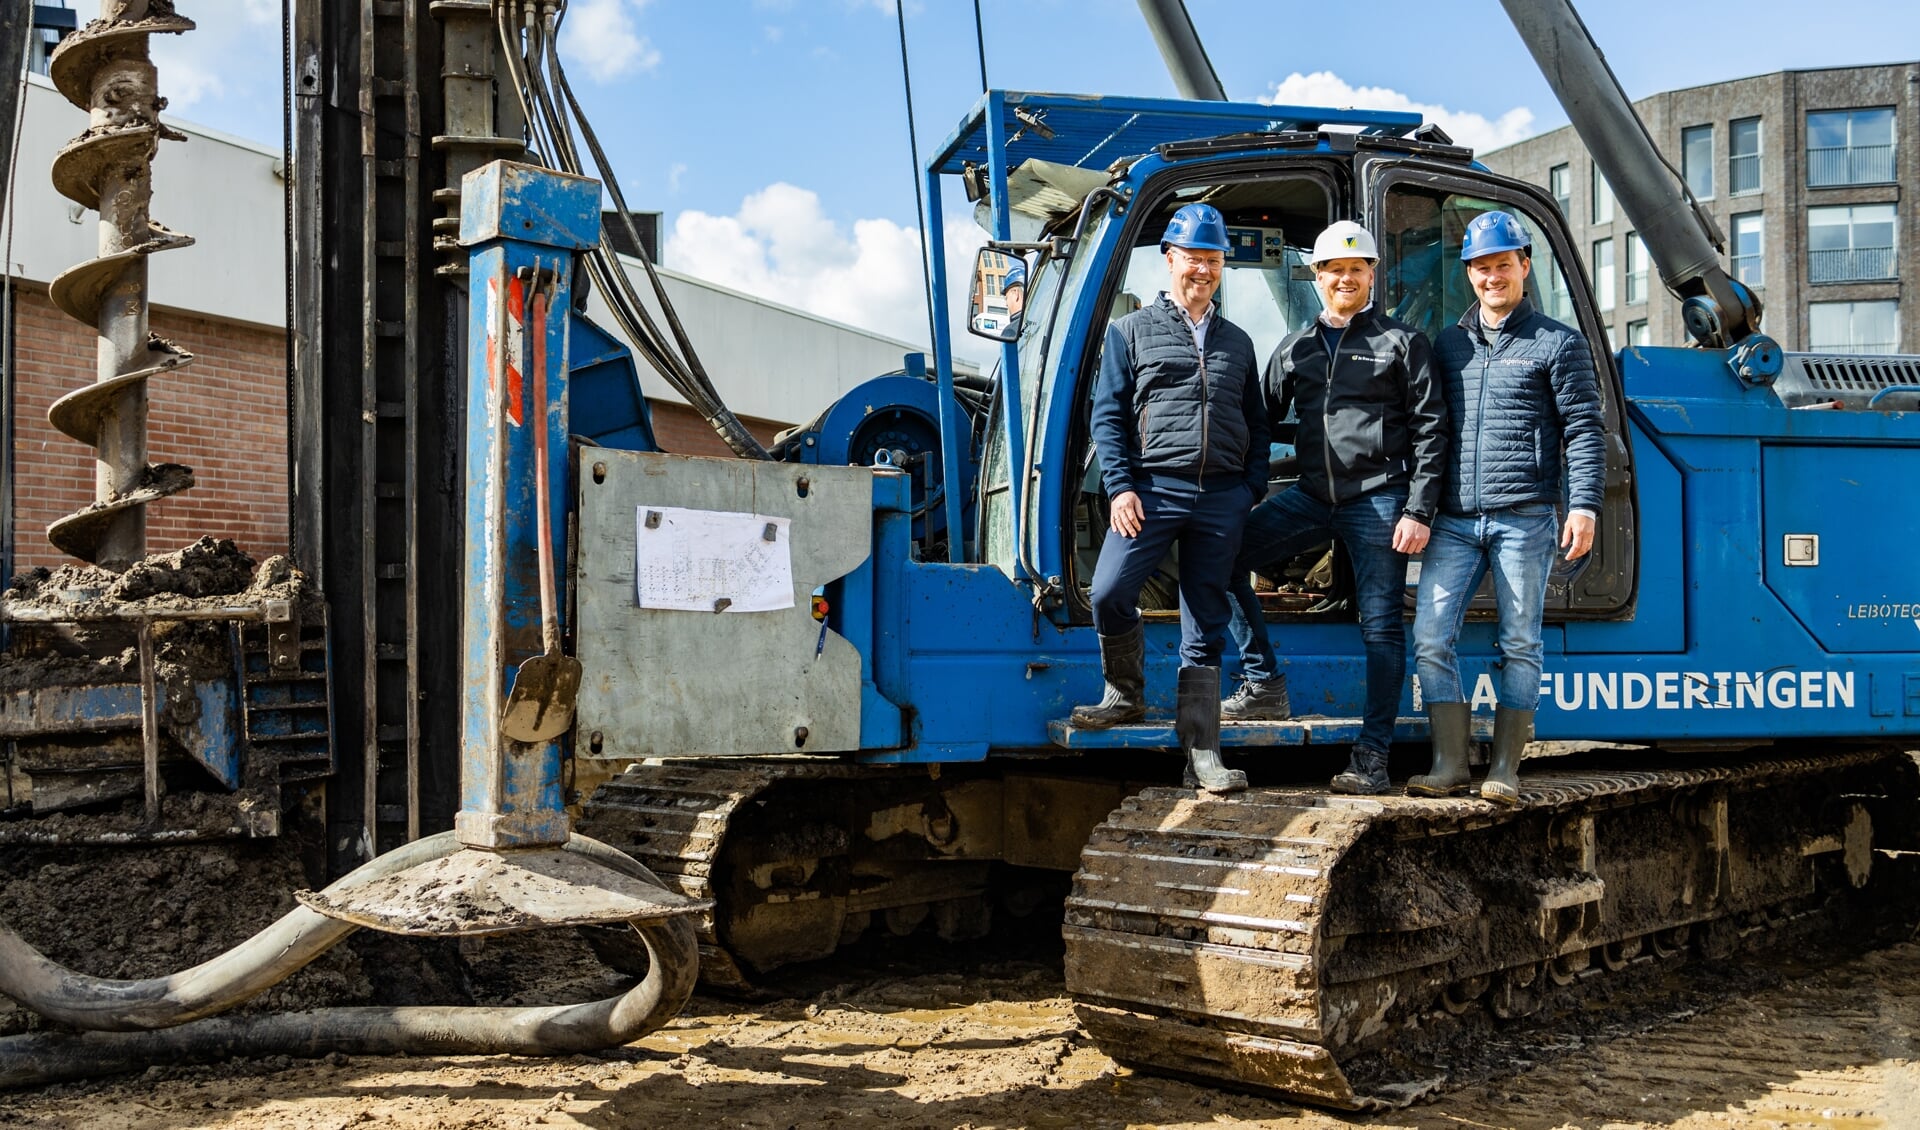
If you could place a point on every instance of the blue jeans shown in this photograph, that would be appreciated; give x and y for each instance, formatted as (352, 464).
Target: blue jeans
(1293, 522)
(1207, 525)
(1517, 544)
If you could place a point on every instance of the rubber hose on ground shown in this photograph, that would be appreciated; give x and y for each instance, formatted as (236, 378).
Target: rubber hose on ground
(672, 950)
(118, 1010)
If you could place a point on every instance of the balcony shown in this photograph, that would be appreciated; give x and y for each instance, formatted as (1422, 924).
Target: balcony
(1747, 268)
(1854, 264)
(1849, 164)
(1743, 173)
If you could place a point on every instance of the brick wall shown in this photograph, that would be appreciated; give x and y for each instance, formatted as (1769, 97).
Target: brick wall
(225, 416)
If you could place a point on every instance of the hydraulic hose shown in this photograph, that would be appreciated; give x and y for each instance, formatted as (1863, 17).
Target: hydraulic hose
(123, 1015)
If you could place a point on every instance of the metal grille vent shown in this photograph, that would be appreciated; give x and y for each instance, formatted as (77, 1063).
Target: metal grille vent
(1856, 375)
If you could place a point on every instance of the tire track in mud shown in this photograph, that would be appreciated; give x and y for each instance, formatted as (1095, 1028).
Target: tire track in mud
(1835, 1048)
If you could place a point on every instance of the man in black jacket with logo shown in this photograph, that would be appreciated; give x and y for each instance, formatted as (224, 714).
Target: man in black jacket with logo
(1182, 436)
(1371, 443)
(1523, 390)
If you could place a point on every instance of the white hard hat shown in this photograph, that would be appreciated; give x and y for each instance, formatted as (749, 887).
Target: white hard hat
(1344, 240)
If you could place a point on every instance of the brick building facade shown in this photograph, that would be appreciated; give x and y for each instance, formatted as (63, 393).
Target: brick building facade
(225, 416)
(1805, 172)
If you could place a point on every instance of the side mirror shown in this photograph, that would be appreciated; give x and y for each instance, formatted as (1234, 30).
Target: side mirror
(999, 295)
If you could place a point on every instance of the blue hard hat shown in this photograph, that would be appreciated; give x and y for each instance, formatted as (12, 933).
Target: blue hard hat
(1016, 274)
(1490, 233)
(1200, 227)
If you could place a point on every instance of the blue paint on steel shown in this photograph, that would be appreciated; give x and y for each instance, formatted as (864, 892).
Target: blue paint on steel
(1862, 593)
(504, 200)
(951, 417)
(898, 412)
(1012, 404)
(213, 736)
(606, 403)
(1093, 131)
(515, 219)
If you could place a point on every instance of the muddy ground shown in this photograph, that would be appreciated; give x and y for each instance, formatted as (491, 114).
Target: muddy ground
(910, 1033)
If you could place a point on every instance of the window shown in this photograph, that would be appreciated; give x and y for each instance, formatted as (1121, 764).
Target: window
(1748, 237)
(1637, 334)
(1849, 243)
(1696, 160)
(1421, 280)
(1743, 156)
(1853, 327)
(1602, 198)
(1603, 272)
(1560, 183)
(1636, 269)
(1558, 299)
(1850, 147)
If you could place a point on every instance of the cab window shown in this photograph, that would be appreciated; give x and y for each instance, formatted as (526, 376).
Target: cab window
(1267, 290)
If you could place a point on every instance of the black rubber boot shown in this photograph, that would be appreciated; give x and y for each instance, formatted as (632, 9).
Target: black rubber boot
(1450, 723)
(1123, 665)
(1512, 730)
(1196, 720)
(1264, 701)
(1366, 773)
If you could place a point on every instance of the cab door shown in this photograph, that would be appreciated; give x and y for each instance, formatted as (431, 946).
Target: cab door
(1419, 214)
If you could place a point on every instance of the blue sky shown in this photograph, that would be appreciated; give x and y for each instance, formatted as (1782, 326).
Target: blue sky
(772, 133)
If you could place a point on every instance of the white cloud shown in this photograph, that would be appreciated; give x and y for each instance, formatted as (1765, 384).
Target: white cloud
(1324, 88)
(603, 36)
(184, 79)
(674, 175)
(781, 246)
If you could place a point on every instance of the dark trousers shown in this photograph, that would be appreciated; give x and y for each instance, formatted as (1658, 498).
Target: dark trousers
(1206, 524)
(1293, 522)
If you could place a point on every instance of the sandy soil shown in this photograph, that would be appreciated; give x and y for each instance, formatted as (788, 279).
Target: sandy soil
(872, 1043)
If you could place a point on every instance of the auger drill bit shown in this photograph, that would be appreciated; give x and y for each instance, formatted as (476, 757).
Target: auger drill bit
(104, 69)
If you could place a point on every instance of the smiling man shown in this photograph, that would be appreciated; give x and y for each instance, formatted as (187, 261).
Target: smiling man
(1182, 435)
(1521, 387)
(1371, 442)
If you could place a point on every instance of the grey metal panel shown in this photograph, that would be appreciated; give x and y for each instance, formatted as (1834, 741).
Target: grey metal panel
(667, 682)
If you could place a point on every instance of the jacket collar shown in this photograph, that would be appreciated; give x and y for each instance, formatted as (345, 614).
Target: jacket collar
(1179, 312)
(1470, 321)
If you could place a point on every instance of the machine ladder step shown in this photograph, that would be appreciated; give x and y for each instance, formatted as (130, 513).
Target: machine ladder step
(1157, 733)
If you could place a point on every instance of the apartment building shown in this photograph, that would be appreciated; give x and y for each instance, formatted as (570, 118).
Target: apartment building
(1803, 172)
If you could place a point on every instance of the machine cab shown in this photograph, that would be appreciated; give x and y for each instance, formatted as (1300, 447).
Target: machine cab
(1277, 189)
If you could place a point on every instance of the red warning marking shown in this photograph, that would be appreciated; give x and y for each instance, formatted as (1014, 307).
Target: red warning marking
(516, 342)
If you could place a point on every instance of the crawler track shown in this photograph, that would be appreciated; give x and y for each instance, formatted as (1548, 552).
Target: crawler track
(1272, 939)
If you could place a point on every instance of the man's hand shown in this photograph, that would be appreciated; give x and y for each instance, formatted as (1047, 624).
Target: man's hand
(1126, 514)
(1577, 538)
(1410, 535)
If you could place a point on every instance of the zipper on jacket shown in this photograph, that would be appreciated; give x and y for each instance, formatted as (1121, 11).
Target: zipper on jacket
(1205, 399)
(1326, 404)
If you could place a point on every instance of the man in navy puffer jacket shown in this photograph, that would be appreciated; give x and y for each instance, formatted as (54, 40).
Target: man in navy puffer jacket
(1182, 434)
(1520, 387)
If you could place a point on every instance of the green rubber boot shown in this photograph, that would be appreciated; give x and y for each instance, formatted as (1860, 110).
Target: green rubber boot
(1450, 723)
(1512, 730)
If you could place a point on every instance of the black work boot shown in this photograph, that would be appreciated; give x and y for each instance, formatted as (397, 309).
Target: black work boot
(1262, 701)
(1123, 665)
(1196, 720)
(1366, 773)
(1450, 723)
(1512, 730)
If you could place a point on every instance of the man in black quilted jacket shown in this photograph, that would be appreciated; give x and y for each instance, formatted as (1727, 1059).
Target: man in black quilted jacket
(1522, 391)
(1182, 435)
